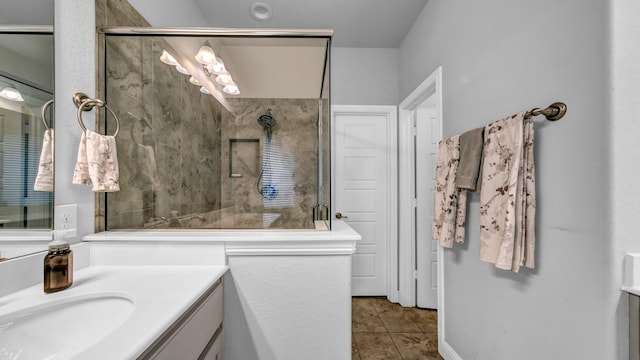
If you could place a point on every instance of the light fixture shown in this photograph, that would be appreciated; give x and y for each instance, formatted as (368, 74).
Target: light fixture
(168, 59)
(206, 56)
(217, 68)
(224, 79)
(261, 11)
(231, 89)
(195, 81)
(182, 70)
(12, 94)
(211, 65)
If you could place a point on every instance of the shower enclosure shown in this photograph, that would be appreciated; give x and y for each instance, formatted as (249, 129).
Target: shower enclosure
(220, 128)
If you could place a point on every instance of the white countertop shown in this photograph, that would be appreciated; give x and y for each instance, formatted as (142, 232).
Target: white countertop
(161, 294)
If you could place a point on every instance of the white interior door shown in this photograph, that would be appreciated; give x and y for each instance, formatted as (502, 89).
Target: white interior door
(426, 147)
(419, 261)
(363, 174)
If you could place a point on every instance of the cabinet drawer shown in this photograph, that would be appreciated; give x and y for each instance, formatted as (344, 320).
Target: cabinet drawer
(215, 351)
(189, 336)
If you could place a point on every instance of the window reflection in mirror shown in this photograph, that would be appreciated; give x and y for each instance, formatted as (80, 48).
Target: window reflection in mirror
(26, 84)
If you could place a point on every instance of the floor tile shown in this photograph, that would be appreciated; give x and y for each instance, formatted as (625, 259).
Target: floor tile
(394, 317)
(364, 317)
(386, 331)
(413, 346)
(376, 346)
(355, 355)
(426, 319)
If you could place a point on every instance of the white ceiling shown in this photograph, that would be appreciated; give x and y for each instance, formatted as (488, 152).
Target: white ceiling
(357, 23)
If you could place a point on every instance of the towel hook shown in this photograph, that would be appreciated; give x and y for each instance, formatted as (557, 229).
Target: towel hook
(44, 112)
(85, 103)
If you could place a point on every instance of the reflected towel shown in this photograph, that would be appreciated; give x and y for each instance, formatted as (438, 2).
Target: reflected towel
(507, 197)
(44, 178)
(470, 159)
(97, 163)
(450, 203)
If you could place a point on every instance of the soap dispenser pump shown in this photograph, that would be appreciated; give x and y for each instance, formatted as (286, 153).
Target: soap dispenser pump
(58, 266)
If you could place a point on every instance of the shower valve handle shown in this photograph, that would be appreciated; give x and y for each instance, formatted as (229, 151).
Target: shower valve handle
(340, 216)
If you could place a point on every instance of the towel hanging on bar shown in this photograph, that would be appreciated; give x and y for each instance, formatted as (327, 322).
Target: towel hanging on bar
(507, 195)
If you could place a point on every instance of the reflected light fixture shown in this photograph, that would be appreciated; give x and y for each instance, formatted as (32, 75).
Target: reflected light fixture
(224, 79)
(182, 70)
(12, 94)
(217, 68)
(206, 56)
(211, 65)
(231, 89)
(168, 59)
(195, 81)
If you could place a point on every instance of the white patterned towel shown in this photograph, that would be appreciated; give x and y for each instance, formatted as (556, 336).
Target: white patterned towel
(507, 196)
(97, 163)
(44, 178)
(450, 203)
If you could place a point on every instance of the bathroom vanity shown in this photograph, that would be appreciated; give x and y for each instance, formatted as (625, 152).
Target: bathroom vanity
(189, 295)
(118, 312)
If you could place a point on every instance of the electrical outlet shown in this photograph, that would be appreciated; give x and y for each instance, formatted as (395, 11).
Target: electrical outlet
(66, 217)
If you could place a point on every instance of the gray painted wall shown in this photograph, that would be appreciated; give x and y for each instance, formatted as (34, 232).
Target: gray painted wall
(364, 76)
(499, 58)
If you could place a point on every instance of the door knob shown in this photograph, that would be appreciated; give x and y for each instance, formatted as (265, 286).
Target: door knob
(340, 216)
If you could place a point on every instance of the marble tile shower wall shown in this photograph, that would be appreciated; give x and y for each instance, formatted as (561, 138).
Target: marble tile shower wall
(293, 147)
(174, 147)
(169, 147)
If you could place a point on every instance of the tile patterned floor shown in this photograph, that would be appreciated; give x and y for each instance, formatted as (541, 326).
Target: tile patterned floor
(385, 331)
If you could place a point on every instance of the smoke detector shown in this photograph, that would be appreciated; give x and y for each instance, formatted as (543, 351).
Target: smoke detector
(261, 11)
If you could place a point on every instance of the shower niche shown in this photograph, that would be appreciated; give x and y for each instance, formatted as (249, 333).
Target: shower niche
(220, 128)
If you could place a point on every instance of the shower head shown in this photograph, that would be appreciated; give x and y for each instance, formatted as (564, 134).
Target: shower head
(267, 122)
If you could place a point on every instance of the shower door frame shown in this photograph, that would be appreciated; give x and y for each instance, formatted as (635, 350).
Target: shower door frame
(100, 198)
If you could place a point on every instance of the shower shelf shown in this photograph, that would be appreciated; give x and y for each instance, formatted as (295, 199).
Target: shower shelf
(244, 157)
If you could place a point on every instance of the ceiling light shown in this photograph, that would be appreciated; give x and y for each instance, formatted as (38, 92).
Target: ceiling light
(206, 56)
(182, 70)
(12, 94)
(261, 11)
(167, 58)
(224, 79)
(204, 90)
(195, 81)
(231, 89)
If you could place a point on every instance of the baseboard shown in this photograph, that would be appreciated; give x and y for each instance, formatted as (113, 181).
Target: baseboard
(447, 352)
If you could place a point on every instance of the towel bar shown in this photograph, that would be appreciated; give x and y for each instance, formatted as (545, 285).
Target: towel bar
(553, 112)
(85, 103)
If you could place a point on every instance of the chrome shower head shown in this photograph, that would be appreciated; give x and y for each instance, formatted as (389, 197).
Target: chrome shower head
(267, 122)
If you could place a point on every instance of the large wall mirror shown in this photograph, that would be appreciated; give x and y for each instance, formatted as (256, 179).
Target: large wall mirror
(26, 86)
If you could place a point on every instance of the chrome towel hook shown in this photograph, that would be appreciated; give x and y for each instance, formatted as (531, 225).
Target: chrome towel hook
(84, 103)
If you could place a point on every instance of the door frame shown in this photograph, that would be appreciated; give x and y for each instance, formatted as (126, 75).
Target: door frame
(432, 85)
(391, 112)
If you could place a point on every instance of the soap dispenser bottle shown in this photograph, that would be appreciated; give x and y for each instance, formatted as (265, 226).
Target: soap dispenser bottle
(58, 267)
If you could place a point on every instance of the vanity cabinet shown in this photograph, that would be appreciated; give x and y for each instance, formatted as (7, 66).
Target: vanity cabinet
(197, 334)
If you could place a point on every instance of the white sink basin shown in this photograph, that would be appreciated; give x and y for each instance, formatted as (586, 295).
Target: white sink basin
(61, 328)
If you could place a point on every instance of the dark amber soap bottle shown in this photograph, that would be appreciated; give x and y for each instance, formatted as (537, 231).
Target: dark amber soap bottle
(58, 267)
